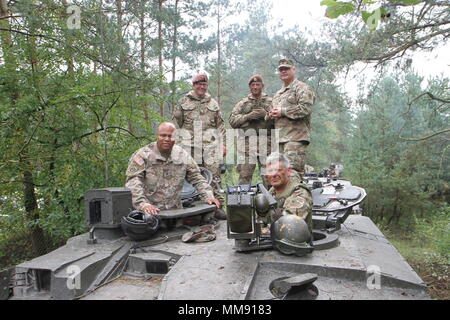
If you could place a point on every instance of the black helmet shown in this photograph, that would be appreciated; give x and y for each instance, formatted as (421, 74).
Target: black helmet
(291, 235)
(140, 226)
(189, 193)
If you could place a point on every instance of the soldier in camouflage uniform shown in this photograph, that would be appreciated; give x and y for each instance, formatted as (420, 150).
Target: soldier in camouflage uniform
(198, 114)
(309, 169)
(291, 111)
(156, 173)
(332, 172)
(249, 113)
(292, 196)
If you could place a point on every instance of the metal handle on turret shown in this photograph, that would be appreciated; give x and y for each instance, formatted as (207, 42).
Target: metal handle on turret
(272, 201)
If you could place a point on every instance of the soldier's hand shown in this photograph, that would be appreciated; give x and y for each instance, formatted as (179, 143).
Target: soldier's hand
(148, 208)
(256, 114)
(213, 201)
(276, 214)
(275, 113)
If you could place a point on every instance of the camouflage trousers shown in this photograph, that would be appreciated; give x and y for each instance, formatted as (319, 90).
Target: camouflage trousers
(216, 183)
(251, 157)
(295, 151)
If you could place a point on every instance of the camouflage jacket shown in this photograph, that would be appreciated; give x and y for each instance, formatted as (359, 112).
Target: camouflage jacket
(155, 180)
(206, 111)
(238, 117)
(296, 102)
(295, 199)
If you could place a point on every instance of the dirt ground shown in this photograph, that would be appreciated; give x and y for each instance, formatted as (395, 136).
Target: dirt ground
(436, 276)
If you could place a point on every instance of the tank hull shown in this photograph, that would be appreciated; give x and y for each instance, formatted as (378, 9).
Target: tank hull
(364, 266)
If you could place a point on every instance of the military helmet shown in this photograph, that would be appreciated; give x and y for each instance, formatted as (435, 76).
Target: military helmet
(291, 235)
(139, 226)
(189, 193)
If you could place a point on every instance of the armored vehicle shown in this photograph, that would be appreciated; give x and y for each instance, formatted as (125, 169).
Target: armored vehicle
(348, 257)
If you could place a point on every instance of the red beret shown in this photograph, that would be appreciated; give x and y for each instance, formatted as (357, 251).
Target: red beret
(255, 78)
(201, 77)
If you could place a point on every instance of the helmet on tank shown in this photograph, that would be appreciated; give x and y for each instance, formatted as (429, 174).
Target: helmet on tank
(139, 226)
(291, 235)
(189, 193)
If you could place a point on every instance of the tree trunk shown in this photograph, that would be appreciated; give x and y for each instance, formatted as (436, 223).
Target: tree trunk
(219, 55)
(174, 56)
(31, 208)
(119, 33)
(8, 53)
(396, 213)
(160, 56)
(381, 215)
(69, 59)
(142, 43)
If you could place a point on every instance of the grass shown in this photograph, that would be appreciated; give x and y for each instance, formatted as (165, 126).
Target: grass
(426, 248)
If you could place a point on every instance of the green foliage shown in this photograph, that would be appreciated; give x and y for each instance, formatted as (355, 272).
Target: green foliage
(426, 246)
(434, 229)
(399, 176)
(337, 8)
(371, 19)
(75, 104)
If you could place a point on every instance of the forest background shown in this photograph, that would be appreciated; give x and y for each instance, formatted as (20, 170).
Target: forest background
(83, 84)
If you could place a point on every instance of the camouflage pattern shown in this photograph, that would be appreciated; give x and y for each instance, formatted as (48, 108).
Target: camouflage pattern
(158, 181)
(214, 167)
(296, 102)
(309, 169)
(295, 199)
(333, 173)
(249, 113)
(205, 111)
(296, 154)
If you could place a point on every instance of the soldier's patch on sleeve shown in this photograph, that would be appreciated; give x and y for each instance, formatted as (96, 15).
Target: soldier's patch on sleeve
(139, 161)
(136, 165)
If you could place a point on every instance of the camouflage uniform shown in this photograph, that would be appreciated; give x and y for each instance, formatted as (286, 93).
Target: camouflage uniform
(158, 181)
(333, 173)
(239, 119)
(204, 111)
(295, 199)
(309, 169)
(294, 126)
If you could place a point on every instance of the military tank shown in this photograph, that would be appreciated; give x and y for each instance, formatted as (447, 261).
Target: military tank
(349, 257)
